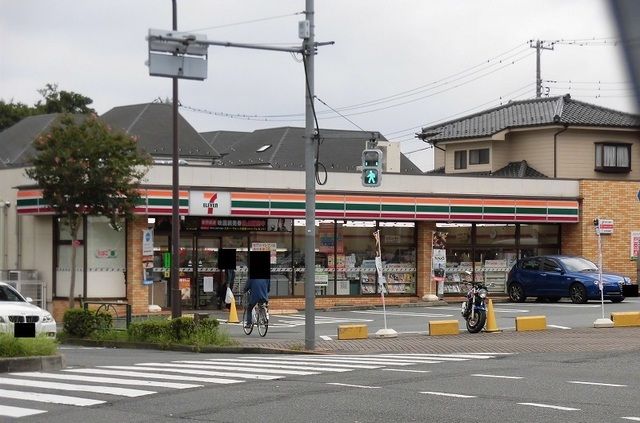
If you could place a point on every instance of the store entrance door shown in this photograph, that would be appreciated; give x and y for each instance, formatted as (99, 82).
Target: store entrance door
(208, 279)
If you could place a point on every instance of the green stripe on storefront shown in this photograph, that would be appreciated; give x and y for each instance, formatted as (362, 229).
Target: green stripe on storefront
(466, 209)
(531, 210)
(368, 207)
(250, 204)
(572, 212)
(287, 205)
(30, 202)
(330, 206)
(499, 210)
(398, 208)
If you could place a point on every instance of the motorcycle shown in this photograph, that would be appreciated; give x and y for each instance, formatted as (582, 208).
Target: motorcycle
(474, 309)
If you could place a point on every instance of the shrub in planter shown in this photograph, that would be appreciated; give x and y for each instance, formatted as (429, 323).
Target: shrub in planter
(82, 323)
(152, 330)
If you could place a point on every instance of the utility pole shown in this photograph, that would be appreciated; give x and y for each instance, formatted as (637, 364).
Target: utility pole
(308, 51)
(176, 297)
(539, 46)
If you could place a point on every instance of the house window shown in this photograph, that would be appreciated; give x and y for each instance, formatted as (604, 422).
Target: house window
(612, 157)
(460, 159)
(479, 156)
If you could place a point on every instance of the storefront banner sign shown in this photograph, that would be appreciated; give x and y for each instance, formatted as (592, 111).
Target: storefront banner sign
(635, 244)
(266, 246)
(209, 203)
(147, 242)
(438, 264)
(379, 266)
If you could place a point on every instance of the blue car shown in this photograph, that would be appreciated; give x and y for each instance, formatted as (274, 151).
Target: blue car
(553, 277)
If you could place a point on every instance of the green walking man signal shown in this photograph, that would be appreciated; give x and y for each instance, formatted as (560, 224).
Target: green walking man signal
(371, 167)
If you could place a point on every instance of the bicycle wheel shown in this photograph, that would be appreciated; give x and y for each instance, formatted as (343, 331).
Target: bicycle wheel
(263, 321)
(247, 330)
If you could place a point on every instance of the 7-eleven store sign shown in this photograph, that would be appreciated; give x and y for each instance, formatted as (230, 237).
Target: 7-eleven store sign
(209, 203)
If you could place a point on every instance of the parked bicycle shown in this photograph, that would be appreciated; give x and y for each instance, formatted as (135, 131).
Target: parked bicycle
(259, 316)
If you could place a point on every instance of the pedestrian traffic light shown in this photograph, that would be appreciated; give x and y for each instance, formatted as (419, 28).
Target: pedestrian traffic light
(371, 167)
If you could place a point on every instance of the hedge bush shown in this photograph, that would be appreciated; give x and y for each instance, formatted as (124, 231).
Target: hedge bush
(27, 347)
(83, 323)
(182, 330)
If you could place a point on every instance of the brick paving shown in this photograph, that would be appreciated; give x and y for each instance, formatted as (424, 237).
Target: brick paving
(550, 340)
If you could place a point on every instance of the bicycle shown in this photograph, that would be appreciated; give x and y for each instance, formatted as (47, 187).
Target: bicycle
(260, 316)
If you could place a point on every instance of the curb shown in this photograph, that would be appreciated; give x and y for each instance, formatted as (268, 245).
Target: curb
(32, 364)
(187, 348)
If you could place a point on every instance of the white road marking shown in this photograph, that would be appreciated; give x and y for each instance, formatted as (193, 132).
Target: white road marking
(251, 366)
(402, 313)
(153, 375)
(558, 327)
(447, 394)
(378, 360)
(325, 337)
(189, 369)
(7, 410)
(50, 398)
(635, 419)
(498, 376)
(615, 385)
(111, 380)
(302, 361)
(72, 387)
(555, 407)
(80, 348)
(408, 370)
(353, 386)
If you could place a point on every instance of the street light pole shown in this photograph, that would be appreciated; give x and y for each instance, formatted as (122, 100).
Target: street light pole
(310, 197)
(176, 298)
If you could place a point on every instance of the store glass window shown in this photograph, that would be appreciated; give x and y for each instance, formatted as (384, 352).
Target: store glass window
(323, 253)
(398, 247)
(360, 254)
(63, 264)
(494, 234)
(106, 259)
(279, 243)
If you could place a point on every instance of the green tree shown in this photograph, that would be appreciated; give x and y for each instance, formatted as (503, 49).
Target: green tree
(53, 101)
(85, 168)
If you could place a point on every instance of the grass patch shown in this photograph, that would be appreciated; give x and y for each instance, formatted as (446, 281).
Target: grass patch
(27, 347)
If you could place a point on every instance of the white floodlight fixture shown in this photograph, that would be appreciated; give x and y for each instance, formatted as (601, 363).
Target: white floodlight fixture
(175, 54)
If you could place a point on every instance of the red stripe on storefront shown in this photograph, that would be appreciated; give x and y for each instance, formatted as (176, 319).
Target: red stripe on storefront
(362, 215)
(281, 213)
(431, 216)
(250, 212)
(498, 217)
(397, 216)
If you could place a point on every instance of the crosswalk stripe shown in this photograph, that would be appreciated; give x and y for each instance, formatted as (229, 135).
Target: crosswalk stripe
(326, 366)
(195, 369)
(111, 380)
(73, 387)
(395, 358)
(9, 411)
(154, 375)
(50, 398)
(256, 366)
(453, 357)
(181, 368)
(354, 360)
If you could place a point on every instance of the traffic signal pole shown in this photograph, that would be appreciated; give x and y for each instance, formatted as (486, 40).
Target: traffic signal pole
(310, 190)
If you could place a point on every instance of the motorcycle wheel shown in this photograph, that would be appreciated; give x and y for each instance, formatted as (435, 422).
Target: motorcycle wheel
(475, 324)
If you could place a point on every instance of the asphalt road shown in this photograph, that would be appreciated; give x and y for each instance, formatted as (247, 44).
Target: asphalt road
(550, 387)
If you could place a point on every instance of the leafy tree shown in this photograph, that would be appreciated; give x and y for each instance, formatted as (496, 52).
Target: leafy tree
(85, 168)
(53, 101)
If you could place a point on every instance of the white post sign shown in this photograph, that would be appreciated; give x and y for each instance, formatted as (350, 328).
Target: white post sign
(634, 244)
(147, 242)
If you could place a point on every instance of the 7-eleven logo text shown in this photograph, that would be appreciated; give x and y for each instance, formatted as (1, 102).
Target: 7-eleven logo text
(210, 201)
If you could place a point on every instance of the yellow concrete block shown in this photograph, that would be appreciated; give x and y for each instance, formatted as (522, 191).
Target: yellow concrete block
(353, 332)
(524, 323)
(625, 318)
(443, 327)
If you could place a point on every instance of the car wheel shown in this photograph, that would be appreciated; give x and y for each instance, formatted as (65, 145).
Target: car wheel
(516, 293)
(578, 293)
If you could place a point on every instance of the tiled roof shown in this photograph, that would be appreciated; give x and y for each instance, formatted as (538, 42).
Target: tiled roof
(16, 141)
(512, 170)
(527, 113)
(152, 123)
(284, 148)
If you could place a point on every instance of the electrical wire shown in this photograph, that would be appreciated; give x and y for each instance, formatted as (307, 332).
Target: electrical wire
(246, 22)
(317, 164)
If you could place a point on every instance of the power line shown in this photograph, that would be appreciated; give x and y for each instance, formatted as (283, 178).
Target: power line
(246, 22)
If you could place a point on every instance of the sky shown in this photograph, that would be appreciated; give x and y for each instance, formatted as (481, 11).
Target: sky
(395, 67)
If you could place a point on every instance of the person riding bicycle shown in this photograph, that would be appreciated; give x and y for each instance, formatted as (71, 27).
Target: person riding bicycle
(259, 293)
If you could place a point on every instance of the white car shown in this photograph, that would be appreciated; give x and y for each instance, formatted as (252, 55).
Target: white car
(14, 308)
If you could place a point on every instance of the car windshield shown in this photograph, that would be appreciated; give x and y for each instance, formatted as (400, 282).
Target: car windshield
(578, 264)
(8, 294)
